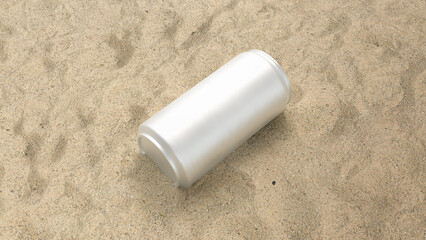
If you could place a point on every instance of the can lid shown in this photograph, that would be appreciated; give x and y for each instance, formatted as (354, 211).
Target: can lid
(278, 70)
(151, 144)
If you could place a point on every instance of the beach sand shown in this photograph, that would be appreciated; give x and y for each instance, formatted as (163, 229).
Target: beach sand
(347, 157)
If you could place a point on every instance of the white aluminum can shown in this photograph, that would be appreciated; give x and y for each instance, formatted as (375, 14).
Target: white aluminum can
(196, 131)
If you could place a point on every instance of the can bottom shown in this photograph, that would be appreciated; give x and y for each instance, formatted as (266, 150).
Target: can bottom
(278, 70)
(150, 147)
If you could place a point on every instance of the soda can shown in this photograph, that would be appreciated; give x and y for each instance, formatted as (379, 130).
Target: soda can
(192, 134)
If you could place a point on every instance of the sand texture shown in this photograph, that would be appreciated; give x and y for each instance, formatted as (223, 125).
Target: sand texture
(347, 156)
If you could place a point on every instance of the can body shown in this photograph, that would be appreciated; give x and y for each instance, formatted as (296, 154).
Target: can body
(196, 131)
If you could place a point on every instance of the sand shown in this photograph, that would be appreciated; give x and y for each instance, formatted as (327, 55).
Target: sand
(347, 156)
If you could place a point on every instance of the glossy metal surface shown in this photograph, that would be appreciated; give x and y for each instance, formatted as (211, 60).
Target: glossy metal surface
(196, 131)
